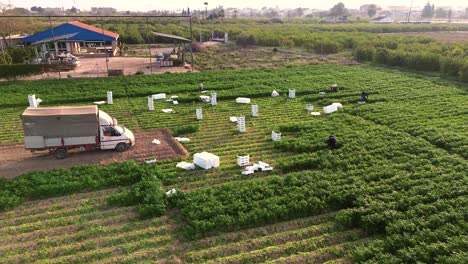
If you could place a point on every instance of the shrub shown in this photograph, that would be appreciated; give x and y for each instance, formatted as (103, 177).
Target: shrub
(182, 130)
(14, 71)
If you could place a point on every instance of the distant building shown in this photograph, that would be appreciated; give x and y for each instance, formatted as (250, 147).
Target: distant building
(73, 37)
(106, 11)
(10, 41)
(53, 11)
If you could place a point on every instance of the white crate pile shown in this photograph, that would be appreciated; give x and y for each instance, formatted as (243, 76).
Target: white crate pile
(254, 110)
(260, 166)
(213, 99)
(150, 103)
(206, 160)
(109, 98)
(243, 160)
(292, 93)
(199, 113)
(275, 136)
(241, 123)
(33, 102)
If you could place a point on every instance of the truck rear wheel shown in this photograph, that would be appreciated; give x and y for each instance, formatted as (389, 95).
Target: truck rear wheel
(60, 153)
(121, 147)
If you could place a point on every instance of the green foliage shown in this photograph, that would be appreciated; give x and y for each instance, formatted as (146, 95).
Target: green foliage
(5, 58)
(188, 129)
(148, 194)
(57, 182)
(13, 71)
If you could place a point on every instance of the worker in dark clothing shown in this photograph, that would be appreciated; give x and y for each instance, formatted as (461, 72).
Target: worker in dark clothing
(331, 142)
(334, 88)
(201, 87)
(364, 96)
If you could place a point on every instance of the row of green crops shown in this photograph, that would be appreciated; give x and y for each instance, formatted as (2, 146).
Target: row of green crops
(390, 183)
(58, 182)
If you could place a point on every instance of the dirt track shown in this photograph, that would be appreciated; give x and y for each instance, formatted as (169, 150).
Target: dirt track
(15, 160)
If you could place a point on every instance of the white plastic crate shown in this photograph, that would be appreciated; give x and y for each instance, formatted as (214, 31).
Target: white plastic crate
(159, 96)
(292, 93)
(309, 107)
(338, 105)
(109, 98)
(199, 113)
(254, 110)
(32, 100)
(150, 103)
(213, 99)
(275, 136)
(243, 100)
(241, 123)
(274, 93)
(330, 109)
(243, 160)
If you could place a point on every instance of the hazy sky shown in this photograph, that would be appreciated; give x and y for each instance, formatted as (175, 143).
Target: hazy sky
(178, 4)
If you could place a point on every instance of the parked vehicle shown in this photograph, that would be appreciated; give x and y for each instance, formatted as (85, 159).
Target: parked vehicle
(62, 128)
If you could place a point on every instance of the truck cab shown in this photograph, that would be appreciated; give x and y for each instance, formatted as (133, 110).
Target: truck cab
(112, 135)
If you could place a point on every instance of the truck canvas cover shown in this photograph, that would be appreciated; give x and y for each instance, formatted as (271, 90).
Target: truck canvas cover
(61, 121)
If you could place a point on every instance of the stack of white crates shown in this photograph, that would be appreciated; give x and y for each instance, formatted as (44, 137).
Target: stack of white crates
(206, 160)
(243, 160)
(275, 136)
(199, 112)
(254, 110)
(213, 99)
(150, 103)
(32, 100)
(109, 98)
(292, 93)
(241, 123)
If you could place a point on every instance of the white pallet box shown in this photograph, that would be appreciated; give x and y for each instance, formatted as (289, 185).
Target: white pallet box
(167, 110)
(292, 93)
(275, 136)
(109, 98)
(243, 160)
(242, 100)
(254, 110)
(206, 160)
(159, 96)
(199, 113)
(247, 172)
(185, 165)
(175, 102)
(150, 103)
(330, 109)
(315, 113)
(213, 99)
(241, 123)
(263, 164)
(309, 107)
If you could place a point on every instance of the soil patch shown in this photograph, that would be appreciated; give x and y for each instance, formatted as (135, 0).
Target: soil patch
(15, 160)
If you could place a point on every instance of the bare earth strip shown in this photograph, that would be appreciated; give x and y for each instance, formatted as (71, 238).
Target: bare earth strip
(15, 160)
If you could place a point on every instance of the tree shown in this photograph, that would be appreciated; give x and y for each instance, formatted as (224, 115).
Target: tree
(14, 25)
(441, 13)
(37, 9)
(428, 11)
(338, 10)
(371, 10)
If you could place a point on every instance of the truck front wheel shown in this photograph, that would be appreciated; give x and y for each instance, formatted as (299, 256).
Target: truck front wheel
(121, 147)
(60, 153)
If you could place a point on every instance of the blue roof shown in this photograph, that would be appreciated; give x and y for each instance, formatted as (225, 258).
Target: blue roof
(83, 32)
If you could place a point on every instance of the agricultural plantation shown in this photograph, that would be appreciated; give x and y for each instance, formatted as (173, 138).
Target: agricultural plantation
(393, 191)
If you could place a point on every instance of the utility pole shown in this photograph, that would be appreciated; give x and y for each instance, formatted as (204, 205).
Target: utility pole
(409, 13)
(191, 48)
(104, 43)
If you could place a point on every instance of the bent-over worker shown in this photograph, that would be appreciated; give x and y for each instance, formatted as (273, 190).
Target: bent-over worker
(331, 142)
(364, 96)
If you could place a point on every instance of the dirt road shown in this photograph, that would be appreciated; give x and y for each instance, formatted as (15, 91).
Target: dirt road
(15, 160)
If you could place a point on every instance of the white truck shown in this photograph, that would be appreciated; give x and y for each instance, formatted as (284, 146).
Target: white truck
(62, 128)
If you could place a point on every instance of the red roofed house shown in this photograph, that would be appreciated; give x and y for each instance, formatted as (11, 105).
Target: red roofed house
(76, 38)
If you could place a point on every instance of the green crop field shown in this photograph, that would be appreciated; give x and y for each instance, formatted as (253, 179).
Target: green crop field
(394, 191)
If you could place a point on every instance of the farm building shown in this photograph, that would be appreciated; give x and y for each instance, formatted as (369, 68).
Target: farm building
(74, 37)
